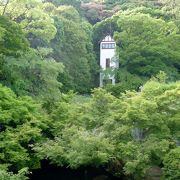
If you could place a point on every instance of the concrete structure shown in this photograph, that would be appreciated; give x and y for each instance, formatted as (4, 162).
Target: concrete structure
(108, 62)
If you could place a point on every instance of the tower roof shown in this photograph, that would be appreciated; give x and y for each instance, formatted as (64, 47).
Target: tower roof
(108, 38)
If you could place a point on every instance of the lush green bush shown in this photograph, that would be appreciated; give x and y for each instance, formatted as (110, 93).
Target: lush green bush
(21, 124)
(10, 176)
(136, 130)
(172, 164)
(146, 48)
(30, 75)
(12, 38)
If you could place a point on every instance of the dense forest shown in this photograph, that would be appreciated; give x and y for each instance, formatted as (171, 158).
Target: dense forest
(51, 107)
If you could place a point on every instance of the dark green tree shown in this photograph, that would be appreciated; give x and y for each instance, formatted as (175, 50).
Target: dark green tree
(30, 75)
(21, 124)
(12, 38)
(146, 46)
(73, 47)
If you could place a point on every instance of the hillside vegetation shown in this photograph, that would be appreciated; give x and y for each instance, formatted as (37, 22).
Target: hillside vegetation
(51, 107)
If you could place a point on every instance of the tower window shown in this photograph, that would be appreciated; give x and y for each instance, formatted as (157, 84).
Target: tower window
(107, 63)
(112, 45)
(108, 45)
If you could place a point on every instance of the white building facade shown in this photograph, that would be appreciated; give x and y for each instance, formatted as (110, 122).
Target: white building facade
(108, 60)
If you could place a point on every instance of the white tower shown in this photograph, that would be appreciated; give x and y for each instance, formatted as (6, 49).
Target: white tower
(107, 60)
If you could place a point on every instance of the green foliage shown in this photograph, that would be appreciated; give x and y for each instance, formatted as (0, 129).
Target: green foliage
(10, 176)
(145, 47)
(74, 49)
(30, 75)
(127, 81)
(21, 124)
(137, 129)
(12, 39)
(150, 125)
(75, 3)
(84, 148)
(30, 15)
(172, 164)
(77, 143)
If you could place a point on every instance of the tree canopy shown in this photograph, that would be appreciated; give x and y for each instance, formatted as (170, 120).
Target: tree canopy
(109, 131)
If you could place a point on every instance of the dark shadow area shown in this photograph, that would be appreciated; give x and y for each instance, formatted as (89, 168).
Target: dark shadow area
(52, 172)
